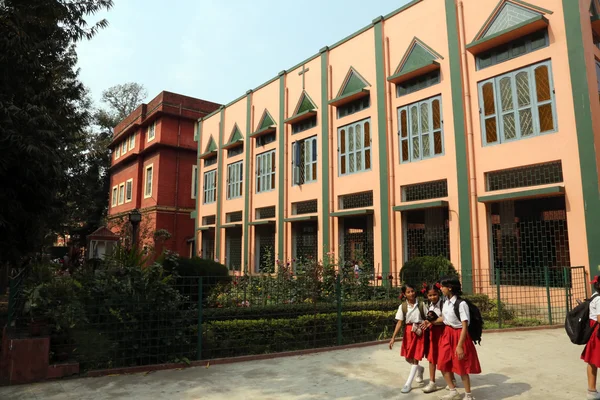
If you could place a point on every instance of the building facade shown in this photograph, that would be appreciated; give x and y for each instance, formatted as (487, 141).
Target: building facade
(153, 167)
(464, 129)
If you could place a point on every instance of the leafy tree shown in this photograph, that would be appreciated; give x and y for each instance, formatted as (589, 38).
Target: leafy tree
(43, 115)
(89, 180)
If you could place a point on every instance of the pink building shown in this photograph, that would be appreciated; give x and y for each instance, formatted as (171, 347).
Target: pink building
(465, 129)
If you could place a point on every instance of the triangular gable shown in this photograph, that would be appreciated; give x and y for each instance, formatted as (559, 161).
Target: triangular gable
(211, 145)
(509, 14)
(352, 83)
(266, 121)
(304, 104)
(417, 55)
(236, 135)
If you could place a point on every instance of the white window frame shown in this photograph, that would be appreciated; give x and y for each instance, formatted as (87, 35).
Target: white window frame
(115, 195)
(117, 152)
(533, 105)
(148, 193)
(423, 133)
(131, 142)
(265, 170)
(209, 191)
(129, 194)
(358, 164)
(308, 161)
(194, 181)
(151, 132)
(235, 177)
(121, 194)
(124, 147)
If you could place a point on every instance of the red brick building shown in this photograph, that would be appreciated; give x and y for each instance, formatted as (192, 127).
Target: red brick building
(154, 153)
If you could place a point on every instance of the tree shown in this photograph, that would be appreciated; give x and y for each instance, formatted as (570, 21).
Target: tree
(89, 181)
(122, 100)
(43, 115)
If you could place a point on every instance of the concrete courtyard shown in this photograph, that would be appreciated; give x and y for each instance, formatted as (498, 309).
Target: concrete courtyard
(540, 365)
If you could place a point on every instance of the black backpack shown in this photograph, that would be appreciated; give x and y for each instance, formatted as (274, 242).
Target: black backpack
(577, 323)
(476, 320)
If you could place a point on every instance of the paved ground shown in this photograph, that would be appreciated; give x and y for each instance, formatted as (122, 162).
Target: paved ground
(540, 365)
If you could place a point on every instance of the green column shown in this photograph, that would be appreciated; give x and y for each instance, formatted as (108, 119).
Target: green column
(219, 185)
(584, 130)
(247, 176)
(458, 107)
(384, 204)
(282, 170)
(198, 186)
(324, 223)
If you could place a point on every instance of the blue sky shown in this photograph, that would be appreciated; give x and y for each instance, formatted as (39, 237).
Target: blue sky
(215, 49)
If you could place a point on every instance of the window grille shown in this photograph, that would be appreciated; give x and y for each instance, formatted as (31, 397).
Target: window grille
(531, 175)
(356, 200)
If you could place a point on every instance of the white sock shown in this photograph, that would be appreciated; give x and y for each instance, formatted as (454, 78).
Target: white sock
(411, 376)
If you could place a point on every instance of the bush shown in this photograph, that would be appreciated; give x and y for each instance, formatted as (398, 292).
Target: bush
(426, 269)
(282, 311)
(193, 267)
(489, 307)
(259, 336)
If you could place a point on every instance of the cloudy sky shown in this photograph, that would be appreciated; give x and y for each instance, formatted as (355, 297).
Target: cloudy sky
(215, 49)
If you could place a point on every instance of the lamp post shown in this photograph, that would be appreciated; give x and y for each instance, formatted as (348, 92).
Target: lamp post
(134, 217)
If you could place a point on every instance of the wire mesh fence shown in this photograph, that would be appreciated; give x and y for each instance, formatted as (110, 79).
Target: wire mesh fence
(134, 322)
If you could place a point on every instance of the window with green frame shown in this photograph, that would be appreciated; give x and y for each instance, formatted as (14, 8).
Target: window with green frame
(420, 130)
(513, 49)
(418, 83)
(518, 105)
(354, 151)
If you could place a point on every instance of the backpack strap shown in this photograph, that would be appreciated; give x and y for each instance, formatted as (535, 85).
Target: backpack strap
(422, 309)
(457, 309)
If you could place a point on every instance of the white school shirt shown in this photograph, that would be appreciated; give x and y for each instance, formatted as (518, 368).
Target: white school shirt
(595, 308)
(412, 312)
(449, 315)
(436, 308)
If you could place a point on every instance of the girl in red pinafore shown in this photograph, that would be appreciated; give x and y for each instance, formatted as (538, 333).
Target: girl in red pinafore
(435, 326)
(414, 342)
(457, 352)
(591, 352)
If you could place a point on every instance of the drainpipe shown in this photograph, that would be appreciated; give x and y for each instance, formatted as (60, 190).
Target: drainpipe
(392, 169)
(470, 147)
(177, 178)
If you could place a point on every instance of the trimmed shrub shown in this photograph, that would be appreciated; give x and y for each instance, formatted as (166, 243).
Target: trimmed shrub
(188, 267)
(426, 269)
(259, 336)
(283, 311)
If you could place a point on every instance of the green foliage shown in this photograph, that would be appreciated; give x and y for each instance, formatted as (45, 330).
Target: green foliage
(426, 269)
(259, 336)
(195, 266)
(278, 311)
(489, 308)
(121, 314)
(43, 115)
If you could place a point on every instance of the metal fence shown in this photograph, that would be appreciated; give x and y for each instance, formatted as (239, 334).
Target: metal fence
(202, 318)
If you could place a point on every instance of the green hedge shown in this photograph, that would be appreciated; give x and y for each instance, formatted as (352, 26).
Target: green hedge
(259, 336)
(278, 311)
(487, 306)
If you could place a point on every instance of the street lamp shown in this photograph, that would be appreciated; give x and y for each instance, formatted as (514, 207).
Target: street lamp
(134, 217)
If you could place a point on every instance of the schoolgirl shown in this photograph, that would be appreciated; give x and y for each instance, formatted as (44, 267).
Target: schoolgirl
(457, 352)
(410, 315)
(435, 326)
(591, 352)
